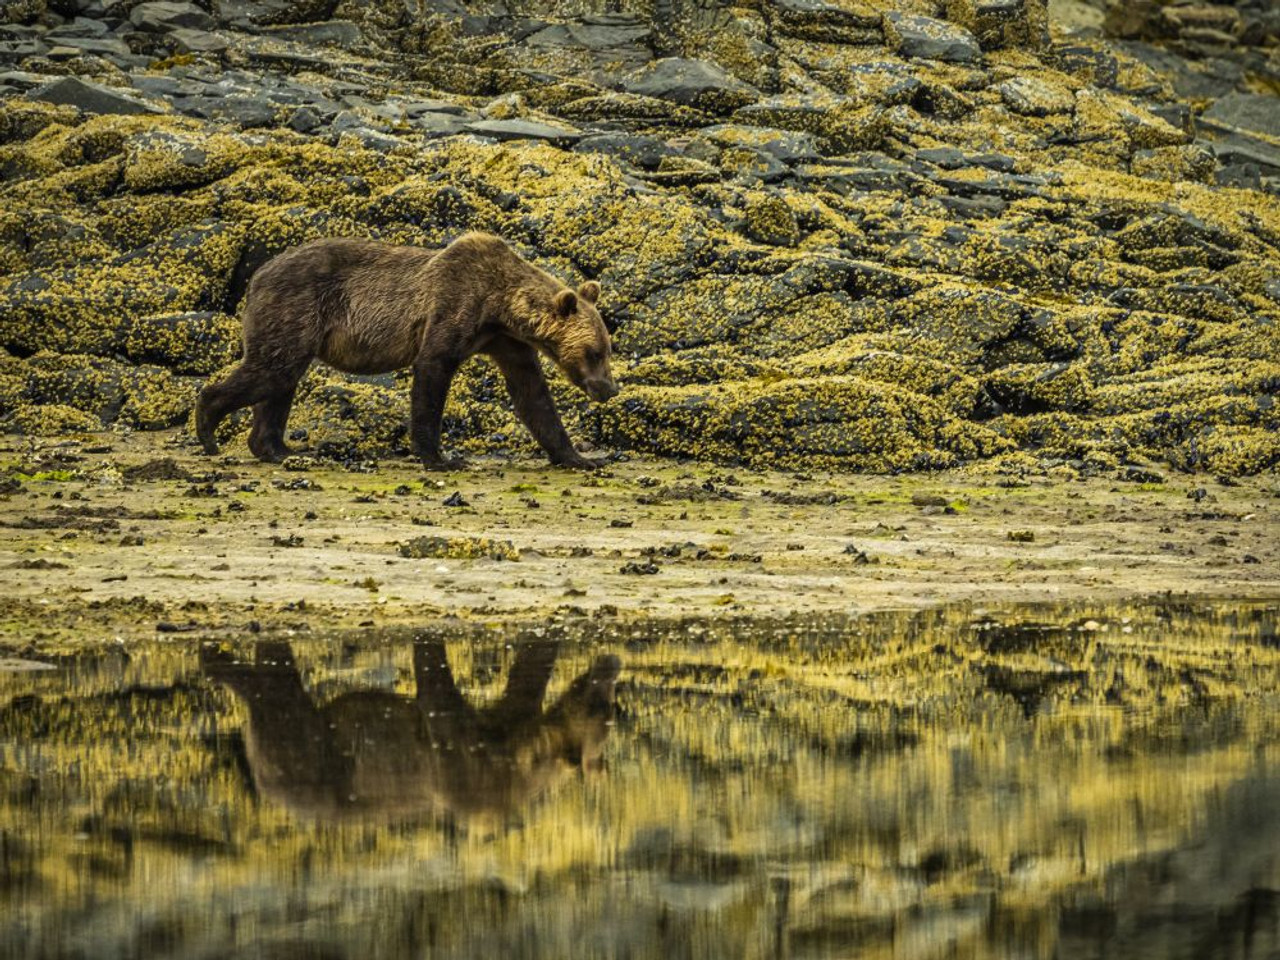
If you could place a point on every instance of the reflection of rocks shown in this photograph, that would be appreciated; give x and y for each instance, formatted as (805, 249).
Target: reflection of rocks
(382, 756)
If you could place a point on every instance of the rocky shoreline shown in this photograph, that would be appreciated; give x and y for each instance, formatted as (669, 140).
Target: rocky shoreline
(852, 236)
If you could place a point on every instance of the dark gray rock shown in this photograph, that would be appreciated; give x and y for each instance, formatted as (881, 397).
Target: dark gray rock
(246, 112)
(188, 40)
(594, 34)
(23, 79)
(251, 13)
(694, 83)
(161, 16)
(13, 52)
(1247, 112)
(884, 82)
(110, 48)
(79, 27)
(330, 33)
(928, 39)
(304, 120)
(1003, 185)
(950, 158)
(433, 124)
(519, 129)
(1245, 129)
(415, 108)
(638, 150)
(91, 97)
(166, 85)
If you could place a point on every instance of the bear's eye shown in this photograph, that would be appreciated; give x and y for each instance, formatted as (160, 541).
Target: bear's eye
(593, 356)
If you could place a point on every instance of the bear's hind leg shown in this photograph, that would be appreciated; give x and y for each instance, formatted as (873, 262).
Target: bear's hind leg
(245, 386)
(270, 417)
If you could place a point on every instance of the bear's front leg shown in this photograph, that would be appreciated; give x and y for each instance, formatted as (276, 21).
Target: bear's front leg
(531, 398)
(432, 375)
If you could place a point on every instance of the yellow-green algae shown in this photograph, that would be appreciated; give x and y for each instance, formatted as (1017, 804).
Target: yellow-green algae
(126, 237)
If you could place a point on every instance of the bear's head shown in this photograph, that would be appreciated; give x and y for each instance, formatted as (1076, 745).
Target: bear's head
(580, 345)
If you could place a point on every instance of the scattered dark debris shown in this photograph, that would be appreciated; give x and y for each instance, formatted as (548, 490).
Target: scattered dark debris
(1138, 475)
(786, 497)
(928, 500)
(292, 540)
(163, 469)
(455, 500)
(705, 492)
(640, 568)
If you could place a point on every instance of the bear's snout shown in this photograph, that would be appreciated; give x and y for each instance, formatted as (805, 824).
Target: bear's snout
(601, 390)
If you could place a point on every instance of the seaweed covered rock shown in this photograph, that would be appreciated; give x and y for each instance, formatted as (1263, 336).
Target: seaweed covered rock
(829, 233)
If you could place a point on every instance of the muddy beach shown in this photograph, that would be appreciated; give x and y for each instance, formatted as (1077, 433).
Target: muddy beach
(155, 533)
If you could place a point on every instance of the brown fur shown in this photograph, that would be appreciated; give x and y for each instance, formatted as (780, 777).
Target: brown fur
(367, 307)
(381, 756)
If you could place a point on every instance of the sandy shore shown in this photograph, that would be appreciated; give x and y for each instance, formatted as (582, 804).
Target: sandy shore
(133, 532)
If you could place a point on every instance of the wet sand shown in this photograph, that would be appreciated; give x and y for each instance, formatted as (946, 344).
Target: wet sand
(147, 531)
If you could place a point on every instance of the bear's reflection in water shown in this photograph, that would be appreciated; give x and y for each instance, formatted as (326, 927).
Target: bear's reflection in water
(382, 756)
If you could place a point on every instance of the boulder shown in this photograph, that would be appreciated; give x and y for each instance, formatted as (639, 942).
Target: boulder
(161, 16)
(517, 128)
(769, 220)
(92, 97)
(824, 22)
(636, 149)
(330, 33)
(694, 83)
(188, 40)
(1032, 97)
(925, 38)
(998, 24)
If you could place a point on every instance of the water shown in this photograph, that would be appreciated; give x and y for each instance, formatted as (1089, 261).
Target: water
(1023, 783)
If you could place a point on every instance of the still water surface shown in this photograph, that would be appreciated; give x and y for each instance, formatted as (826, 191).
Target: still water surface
(1093, 782)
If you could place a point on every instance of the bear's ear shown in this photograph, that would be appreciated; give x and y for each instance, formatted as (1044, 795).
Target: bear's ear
(566, 302)
(589, 291)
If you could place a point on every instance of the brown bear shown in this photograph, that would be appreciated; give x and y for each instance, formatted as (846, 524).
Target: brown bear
(374, 755)
(368, 307)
